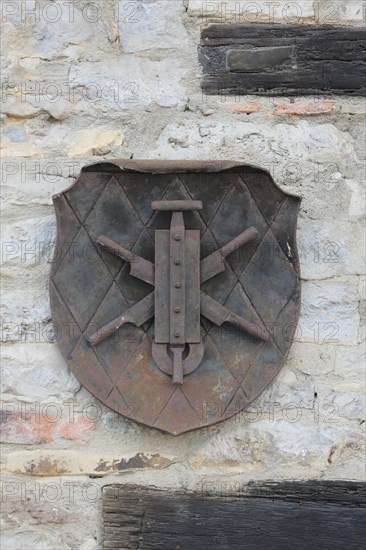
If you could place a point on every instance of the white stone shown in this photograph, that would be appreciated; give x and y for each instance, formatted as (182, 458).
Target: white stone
(33, 539)
(30, 242)
(56, 107)
(18, 12)
(15, 107)
(97, 141)
(329, 313)
(357, 203)
(26, 315)
(25, 149)
(361, 287)
(330, 249)
(341, 12)
(15, 132)
(30, 106)
(89, 544)
(155, 24)
(290, 389)
(349, 363)
(131, 82)
(260, 11)
(302, 443)
(351, 404)
(32, 182)
(313, 360)
(263, 447)
(341, 399)
(267, 144)
(32, 372)
(50, 26)
(314, 377)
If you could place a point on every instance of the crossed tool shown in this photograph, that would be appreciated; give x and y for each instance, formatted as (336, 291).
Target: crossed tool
(177, 301)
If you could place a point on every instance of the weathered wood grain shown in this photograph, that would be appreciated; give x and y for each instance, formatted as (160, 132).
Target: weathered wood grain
(279, 516)
(249, 59)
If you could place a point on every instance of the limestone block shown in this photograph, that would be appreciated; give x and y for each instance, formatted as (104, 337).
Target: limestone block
(330, 248)
(67, 462)
(281, 11)
(357, 203)
(329, 312)
(26, 149)
(30, 106)
(130, 82)
(30, 183)
(151, 25)
(48, 28)
(349, 364)
(96, 141)
(27, 316)
(36, 371)
(297, 144)
(265, 447)
(32, 539)
(233, 11)
(29, 242)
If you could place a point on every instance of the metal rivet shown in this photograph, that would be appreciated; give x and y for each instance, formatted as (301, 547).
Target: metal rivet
(177, 310)
(177, 285)
(177, 334)
(177, 237)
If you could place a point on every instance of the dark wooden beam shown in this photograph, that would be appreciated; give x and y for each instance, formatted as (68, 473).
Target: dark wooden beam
(275, 516)
(282, 60)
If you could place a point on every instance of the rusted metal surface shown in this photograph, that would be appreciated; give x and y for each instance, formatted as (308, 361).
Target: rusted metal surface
(219, 314)
(214, 263)
(217, 242)
(137, 315)
(176, 206)
(140, 268)
(177, 287)
(177, 292)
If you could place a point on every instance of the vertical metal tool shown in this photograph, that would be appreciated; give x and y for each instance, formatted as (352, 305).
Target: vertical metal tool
(177, 348)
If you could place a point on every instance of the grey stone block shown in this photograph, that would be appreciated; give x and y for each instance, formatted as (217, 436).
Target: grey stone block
(253, 60)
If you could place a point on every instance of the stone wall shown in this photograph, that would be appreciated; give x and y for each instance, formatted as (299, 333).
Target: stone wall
(84, 81)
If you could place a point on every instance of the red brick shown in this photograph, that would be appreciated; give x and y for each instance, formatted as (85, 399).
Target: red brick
(77, 429)
(246, 109)
(26, 429)
(308, 108)
(37, 429)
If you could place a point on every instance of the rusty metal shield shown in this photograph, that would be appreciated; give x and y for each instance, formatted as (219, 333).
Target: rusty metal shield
(108, 223)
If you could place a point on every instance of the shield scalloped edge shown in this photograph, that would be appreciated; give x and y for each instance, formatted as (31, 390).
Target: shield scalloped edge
(90, 286)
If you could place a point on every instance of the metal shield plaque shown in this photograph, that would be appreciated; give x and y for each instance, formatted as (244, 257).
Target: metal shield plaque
(175, 287)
